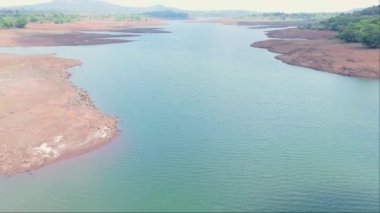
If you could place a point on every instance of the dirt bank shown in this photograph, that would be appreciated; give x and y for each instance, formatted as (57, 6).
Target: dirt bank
(71, 39)
(321, 51)
(71, 34)
(43, 117)
(294, 33)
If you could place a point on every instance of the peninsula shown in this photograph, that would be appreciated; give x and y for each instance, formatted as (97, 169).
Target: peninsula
(347, 44)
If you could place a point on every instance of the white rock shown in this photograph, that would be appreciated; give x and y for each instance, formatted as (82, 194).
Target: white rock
(102, 133)
(58, 138)
(46, 151)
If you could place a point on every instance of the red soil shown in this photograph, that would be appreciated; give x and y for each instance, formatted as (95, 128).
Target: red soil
(43, 117)
(319, 50)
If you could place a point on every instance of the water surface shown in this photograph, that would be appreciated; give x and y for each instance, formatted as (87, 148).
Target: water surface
(210, 124)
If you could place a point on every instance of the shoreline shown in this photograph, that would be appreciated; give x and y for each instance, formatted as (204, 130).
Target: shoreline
(78, 33)
(319, 50)
(44, 116)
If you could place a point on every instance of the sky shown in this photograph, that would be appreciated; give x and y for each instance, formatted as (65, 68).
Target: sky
(253, 5)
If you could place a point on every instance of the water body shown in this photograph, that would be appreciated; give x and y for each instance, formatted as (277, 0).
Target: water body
(210, 124)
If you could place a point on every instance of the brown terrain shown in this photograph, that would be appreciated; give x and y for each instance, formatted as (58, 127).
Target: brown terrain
(77, 33)
(321, 51)
(294, 33)
(43, 116)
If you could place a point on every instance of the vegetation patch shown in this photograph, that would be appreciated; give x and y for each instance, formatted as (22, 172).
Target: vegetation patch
(19, 19)
(359, 26)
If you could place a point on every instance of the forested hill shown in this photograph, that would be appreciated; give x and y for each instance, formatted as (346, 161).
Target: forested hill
(360, 26)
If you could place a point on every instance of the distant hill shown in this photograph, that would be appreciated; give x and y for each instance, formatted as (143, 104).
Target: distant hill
(90, 6)
(74, 6)
(100, 6)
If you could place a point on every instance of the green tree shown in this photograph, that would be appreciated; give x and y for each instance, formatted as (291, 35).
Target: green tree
(20, 22)
(371, 37)
(351, 33)
(6, 22)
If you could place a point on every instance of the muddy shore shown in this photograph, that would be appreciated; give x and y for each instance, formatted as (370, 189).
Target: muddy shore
(320, 50)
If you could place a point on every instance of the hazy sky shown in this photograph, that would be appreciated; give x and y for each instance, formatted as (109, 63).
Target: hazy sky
(254, 5)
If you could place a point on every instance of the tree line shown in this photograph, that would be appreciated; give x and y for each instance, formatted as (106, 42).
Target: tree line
(19, 19)
(360, 26)
(279, 16)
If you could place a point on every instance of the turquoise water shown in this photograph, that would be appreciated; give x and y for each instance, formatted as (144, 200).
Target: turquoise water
(210, 124)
